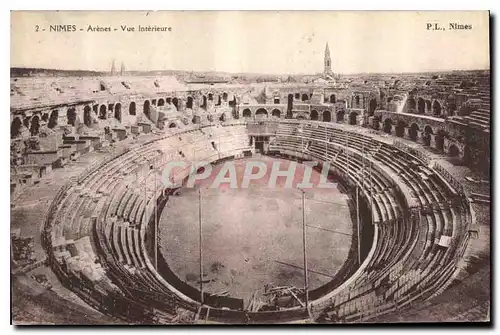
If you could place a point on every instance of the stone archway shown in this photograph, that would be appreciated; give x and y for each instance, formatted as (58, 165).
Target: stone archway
(400, 128)
(247, 113)
(305, 97)
(340, 116)
(146, 109)
(118, 112)
(87, 116)
(411, 104)
(314, 115)
(15, 127)
(327, 116)
(131, 108)
(414, 132)
(421, 106)
(289, 105)
(387, 126)
(35, 125)
(71, 116)
(440, 140)
(453, 150)
(436, 108)
(53, 118)
(161, 102)
(372, 107)
(261, 113)
(189, 103)
(175, 102)
(333, 98)
(353, 118)
(276, 113)
(427, 135)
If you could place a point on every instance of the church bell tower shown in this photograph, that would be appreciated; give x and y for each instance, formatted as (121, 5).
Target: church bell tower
(327, 72)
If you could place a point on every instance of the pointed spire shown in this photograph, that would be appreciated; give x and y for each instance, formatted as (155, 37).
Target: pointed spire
(122, 69)
(327, 50)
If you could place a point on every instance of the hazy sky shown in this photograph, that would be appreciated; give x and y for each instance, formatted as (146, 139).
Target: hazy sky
(263, 42)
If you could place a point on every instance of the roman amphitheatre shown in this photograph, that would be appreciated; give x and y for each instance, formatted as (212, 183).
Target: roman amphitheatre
(402, 235)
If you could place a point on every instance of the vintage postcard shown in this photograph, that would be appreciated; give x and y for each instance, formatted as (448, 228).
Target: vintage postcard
(250, 167)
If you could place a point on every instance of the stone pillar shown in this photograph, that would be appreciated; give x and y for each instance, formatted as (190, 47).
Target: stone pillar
(433, 141)
(407, 132)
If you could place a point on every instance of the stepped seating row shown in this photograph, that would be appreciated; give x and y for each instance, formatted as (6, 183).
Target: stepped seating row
(110, 197)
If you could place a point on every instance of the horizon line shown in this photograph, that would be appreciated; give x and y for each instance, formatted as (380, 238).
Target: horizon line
(249, 73)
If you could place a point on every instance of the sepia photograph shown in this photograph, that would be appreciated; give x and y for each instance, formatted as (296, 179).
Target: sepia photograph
(250, 167)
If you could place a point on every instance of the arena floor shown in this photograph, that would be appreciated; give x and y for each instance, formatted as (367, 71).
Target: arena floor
(253, 237)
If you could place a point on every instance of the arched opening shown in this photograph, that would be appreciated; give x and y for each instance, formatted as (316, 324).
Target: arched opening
(453, 150)
(161, 102)
(45, 117)
(340, 116)
(289, 106)
(276, 113)
(400, 128)
(219, 101)
(131, 108)
(297, 96)
(15, 127)
(189, 103)
(204, 103)
(224, 96)
(26, 122)
(118, 112)
(146, 108)
(222, 117)
(428, 105)
(314, 115)
(440, 140)
(35, 125)
(372, 107)
(71, 116)
(168, 101)
(436, 108)
(305, 97)
(210, 96)
(172, 125)
(110, 107)
(427, 135)
(175, 102)
(54, 116)
(87, 116)
(352, 118)
(261, 113)
(327, 116)
(421, 106)
(333, 99)
(411, 104)
(356, 99)
(232, 103)
(153, 102)
(276, 100)
(467, 158)
(247, 113)
(414, 131)
(387, 126)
